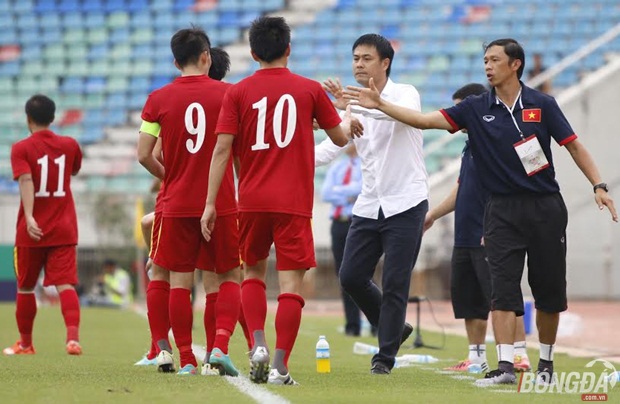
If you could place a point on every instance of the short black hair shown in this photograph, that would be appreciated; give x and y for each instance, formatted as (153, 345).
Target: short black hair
(40, 109)
(381, 43)
(513, 49)
(188, 44)
(469, 89)
(220, 63)
(269, 38)
(109, 262)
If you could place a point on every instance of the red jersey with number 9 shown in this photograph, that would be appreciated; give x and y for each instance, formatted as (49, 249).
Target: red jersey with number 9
(270, 114)
(187, 110)
(51, 160)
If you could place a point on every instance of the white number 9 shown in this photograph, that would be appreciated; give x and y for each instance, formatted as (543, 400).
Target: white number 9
(199, 129)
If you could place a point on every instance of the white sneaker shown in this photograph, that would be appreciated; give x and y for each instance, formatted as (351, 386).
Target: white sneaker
(276, 378)
(165, 362)
(259, 370)
(207, 370)
(496, 377)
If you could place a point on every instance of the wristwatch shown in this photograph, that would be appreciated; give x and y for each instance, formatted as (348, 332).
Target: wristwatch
(602, 186)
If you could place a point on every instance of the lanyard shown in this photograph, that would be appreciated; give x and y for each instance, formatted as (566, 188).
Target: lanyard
(511, 110)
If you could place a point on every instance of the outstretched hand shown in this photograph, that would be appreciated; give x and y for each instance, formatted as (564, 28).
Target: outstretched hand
(334, 87)
(366, 97)
(602, 198)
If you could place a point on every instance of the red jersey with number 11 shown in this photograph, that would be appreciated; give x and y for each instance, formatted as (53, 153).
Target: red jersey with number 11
(270, 114)
(51, 160)
(187, 110)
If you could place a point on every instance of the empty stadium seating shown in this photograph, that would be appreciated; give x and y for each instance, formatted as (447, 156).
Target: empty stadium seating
(103, 57)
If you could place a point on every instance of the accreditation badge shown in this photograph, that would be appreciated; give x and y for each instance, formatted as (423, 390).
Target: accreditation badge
(531, 155)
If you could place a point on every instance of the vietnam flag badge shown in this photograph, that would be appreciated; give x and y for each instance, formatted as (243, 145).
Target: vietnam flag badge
(531, 115)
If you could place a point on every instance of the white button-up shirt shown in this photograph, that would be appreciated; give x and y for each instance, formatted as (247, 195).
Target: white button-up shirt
(394, 176)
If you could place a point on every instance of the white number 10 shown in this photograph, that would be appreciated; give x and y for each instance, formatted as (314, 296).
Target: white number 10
(291, 122)
(60, 191)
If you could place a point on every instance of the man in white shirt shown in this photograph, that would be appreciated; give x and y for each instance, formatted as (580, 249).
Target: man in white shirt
(389, 213)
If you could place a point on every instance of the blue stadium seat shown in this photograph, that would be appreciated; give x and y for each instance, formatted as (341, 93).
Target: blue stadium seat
(65, 6)
(72, 85)
(31, 53)
(111, 6)
(27, 22)
(137, 5)
(92, 5)
(22, 6)
(207, 20)
(45, 6)
(230, 6)
(94, 85)
(161, 5)
(163, 20)
(119, 35)
(158, 81)
(181, 5)
(8, 36)
(116, 114)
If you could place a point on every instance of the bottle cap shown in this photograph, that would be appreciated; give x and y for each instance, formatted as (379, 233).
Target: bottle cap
(321, 336)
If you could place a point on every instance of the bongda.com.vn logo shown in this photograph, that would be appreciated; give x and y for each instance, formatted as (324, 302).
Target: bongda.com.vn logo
(593, 383)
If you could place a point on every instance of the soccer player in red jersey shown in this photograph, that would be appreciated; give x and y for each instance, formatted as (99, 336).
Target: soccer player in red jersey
(267, 118)
(46, 223)
(183, 115)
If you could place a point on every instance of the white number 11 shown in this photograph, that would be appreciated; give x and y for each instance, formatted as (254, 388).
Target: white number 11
(60, 191)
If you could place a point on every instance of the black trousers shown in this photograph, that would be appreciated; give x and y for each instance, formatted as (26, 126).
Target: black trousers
(516, 226)
(398, 237)
(339, 231)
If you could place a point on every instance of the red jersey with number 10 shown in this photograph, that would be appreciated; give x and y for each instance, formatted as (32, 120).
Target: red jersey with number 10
(270, 114)
(51, 160)
(187, 111)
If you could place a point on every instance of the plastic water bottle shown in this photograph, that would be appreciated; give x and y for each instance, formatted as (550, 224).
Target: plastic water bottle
(360, 348)
(614, 377)
(413, 358)
(322, 355)
(474, 368)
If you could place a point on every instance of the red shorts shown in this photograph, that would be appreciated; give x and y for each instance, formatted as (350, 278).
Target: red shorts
(155, 230)
(291, 234)
(60, 263)
(181, 247)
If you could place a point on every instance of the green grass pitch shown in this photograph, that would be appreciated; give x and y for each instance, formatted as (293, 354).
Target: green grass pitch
(113, 340)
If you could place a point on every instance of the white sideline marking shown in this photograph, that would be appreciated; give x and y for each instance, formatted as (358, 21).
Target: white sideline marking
(462, 377)
(259, 394)
(503, 391)
(243, 384)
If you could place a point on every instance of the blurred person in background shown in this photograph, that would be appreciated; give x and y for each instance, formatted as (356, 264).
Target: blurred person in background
(537, 69)
(112, 288)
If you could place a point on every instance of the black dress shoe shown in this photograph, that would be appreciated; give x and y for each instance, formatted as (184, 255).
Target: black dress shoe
(380, 368)
(407, 330)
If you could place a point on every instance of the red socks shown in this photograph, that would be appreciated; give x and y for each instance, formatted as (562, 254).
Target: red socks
(157, 298)
(209, 319)
(153, 351)
(70, 307)
(25, 312)
(288, 320)
(254, 303)
(181, 319)
(246, 332)
(227, 308)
